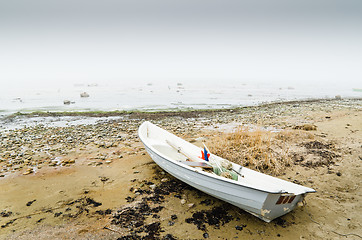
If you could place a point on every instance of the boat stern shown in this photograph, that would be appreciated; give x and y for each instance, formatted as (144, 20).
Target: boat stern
(277, 205)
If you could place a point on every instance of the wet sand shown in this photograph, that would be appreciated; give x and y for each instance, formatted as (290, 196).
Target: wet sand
(97, 181)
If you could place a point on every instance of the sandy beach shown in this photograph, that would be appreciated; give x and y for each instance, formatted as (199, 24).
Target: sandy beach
(96, 181)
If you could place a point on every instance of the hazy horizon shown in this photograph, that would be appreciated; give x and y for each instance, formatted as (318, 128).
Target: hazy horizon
(48, 42)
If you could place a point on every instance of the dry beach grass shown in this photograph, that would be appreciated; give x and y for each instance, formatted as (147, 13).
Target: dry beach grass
(97, 182)
(261, 150)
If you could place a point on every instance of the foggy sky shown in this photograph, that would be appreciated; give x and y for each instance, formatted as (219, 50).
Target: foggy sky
(52, 41)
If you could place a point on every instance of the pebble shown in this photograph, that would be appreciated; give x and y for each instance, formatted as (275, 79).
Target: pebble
(28, 171)
(190, 205)
(239, 228)
(70, 161)
(183, 201)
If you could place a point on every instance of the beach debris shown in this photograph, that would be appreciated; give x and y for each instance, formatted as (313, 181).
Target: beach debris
(207, 202)
(57, 214)
(318, 145)
(8, 223)
(104, 212)
(6, 213)
(319, 154)
(84, 95)
(239, 228)
(190, 205)
(338, 97)
(133, 217)
(85, 201)
(306, 127)
(103, 179)
(169, 237)
(40, 220)
(281, 222)
(214, 217)
(30, 202)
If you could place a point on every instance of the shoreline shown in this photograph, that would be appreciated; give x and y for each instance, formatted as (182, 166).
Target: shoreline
(90, 176)
(166, 112)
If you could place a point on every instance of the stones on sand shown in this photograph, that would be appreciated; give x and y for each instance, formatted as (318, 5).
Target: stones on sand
(5, 213)
(239, 228)
(306, 127)
(28, 171)
(68, 161)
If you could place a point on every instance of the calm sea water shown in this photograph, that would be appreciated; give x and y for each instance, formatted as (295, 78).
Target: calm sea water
(159, 95)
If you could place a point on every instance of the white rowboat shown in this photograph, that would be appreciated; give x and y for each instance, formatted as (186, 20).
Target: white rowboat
(262, 195)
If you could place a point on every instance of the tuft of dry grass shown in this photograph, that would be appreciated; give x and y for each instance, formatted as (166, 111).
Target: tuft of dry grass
(261, 150)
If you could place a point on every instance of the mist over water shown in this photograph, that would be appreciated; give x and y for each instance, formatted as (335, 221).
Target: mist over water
(160, 95)
(224, 54)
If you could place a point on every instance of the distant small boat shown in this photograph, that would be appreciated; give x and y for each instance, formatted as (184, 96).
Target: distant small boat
(84, 95)
(264, 196)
